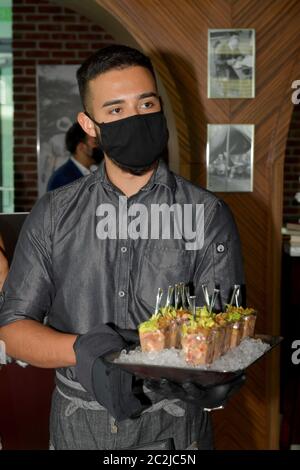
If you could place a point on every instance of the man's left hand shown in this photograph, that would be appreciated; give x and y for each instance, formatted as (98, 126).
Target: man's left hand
(203, 397)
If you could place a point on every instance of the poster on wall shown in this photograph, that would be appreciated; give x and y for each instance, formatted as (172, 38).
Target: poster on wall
(229, 157)
(58, 103)
(231, 63)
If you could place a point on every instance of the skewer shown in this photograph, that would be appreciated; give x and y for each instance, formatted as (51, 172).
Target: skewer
(169, 296)
(183, 298)
(213, 300)
(206, 295)
(237, 294)
(176, 296)
(193, 305)
(187, 295)
(236, 287)
(158, 299)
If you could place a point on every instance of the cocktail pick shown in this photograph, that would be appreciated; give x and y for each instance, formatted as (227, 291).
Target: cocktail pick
(183, 297)
(177, 295)
(187, 295)
(206, 295)
(193, 305)
(169, 296)
(158, 299)
(213, 300)
(237, 294)
(236, 287)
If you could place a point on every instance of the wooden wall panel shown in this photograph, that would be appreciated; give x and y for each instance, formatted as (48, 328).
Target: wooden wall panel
(174, 33)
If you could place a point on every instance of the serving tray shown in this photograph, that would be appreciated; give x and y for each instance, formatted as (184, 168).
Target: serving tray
(202, 377)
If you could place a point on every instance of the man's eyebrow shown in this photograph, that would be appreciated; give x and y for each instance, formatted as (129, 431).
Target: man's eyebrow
(110, 102)
(147, 94)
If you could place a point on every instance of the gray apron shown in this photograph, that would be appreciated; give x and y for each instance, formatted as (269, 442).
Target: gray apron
(77, 422)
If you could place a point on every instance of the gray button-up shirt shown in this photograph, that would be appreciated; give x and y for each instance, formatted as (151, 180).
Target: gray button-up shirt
(63, 270)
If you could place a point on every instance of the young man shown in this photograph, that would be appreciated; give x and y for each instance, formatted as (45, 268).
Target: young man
(83, 268)
(85, 155)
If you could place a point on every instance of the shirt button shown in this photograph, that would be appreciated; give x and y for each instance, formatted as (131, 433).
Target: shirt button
(123, 249)
(121, 293)
(220, 248)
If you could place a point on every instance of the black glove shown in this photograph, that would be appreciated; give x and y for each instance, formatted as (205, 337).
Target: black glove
(202, 397)
(131, 337)
(110, 385)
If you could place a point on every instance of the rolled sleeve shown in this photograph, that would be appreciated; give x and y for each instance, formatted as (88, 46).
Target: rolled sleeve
(28, 290)
(221, 266)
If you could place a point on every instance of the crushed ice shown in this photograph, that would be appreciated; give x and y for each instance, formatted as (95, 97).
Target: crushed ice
(235, 359)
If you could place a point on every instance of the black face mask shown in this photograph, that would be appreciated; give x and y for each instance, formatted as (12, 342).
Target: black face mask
(134, 143)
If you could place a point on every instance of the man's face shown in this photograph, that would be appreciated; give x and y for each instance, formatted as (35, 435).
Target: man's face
(119, 94)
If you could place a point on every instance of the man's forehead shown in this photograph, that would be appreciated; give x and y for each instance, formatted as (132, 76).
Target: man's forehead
(127, 83)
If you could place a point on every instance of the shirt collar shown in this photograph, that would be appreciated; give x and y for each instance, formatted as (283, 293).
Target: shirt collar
(161, 176)
(85, 171)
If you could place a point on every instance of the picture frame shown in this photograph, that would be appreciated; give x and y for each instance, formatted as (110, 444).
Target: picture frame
(231, 63)
(58, 103)
(229, 157)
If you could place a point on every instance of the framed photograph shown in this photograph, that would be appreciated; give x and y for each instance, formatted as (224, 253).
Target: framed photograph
(58, 103)
(231, 63)
(229, 157)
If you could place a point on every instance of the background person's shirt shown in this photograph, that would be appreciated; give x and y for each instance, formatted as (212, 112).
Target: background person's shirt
(84, 171)
(65, 174)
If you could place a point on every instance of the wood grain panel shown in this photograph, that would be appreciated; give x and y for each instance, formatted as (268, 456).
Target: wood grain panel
(174, 34)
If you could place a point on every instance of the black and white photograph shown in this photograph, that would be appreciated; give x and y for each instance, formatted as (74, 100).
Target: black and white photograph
(230, 157)
(231, 63)
(58, 103)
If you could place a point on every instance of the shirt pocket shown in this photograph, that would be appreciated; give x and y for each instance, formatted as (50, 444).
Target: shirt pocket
(160, 268)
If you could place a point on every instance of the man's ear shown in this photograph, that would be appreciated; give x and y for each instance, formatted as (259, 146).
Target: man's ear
(86, 124)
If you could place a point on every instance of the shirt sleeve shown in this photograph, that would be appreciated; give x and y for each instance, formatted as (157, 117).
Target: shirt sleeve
(221, 263)
(29, 290)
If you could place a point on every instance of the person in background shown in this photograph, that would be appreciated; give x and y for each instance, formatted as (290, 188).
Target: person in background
(85, 156)
(4, 268)
(53, 153)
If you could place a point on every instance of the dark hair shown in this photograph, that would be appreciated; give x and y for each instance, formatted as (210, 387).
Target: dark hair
(109, 58)
(74, 136)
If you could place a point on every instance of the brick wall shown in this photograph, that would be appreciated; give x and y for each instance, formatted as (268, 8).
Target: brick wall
(291, 209)
(43, 33)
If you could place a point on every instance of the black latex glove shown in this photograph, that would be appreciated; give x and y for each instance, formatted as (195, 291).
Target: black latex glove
(111, 386)
(131, 337)
(202, 397)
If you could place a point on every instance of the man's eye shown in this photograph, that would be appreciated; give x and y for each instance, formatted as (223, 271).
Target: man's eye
(147, 104)
(115, 110)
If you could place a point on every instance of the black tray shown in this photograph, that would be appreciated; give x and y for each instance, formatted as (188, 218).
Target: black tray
(203, 377)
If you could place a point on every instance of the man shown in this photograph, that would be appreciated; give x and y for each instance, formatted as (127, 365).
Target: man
(85, 155)
(83, 270)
